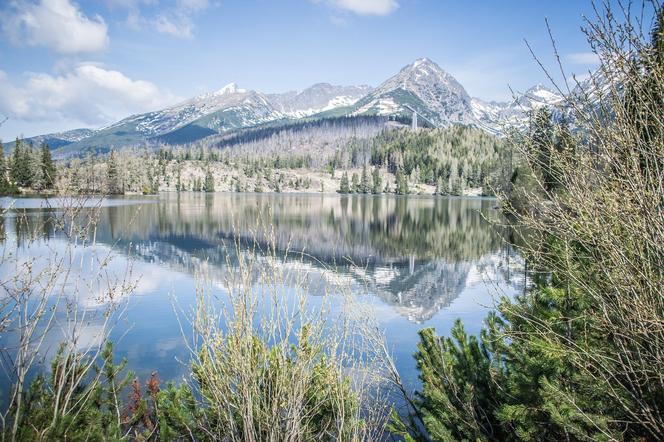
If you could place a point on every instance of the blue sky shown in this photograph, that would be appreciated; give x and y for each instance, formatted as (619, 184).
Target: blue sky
(66, 64)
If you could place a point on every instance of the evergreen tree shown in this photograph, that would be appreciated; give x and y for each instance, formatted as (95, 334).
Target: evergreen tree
(5, 186)
(114, 184)
(37, 179)
(355, 183)
(364, 182)
(456, 185)
(208, 186)
(377, 181)
(344, 186)
(541, 143)
(49, 170)
(442, 187)
(20, 164)
(401, 183)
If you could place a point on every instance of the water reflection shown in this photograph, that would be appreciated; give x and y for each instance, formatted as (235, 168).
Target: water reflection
(420, 261)
(417, 254)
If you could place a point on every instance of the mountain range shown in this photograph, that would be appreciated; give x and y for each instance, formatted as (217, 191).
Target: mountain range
(439, 99)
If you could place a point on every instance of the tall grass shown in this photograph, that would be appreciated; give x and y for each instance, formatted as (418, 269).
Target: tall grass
(271, 362)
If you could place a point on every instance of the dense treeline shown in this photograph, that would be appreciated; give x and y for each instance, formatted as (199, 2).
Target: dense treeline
(365, 158)
(451, 159)
(579, 356)
(27, 167)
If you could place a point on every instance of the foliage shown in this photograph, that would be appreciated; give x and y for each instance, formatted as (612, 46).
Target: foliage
(578, 356)
(377, 181)
(401, 183)
(344, 186)
(208, 186)
(464, 156)
(6, 187)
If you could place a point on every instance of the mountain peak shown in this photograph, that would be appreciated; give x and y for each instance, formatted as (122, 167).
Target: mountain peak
(422, 61)
(542, 94)
(230, 88)
(422, 85)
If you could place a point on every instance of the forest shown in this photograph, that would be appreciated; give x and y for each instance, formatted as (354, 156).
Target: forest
(317, 156)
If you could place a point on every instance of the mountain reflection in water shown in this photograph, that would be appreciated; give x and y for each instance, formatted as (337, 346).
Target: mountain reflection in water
(420, 261)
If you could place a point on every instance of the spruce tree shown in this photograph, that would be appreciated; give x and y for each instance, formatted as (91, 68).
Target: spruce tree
(20, 164)
(48, 167)
(541, 142)
(4, 182)
(344, 186)
(364, 181)
(442, 187)
(377, 181)
(36, 171)
(401, 183)
(113, 180)
(355, 186)
(209, 181)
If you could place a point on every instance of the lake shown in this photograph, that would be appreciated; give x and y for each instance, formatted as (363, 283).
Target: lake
(417, 261)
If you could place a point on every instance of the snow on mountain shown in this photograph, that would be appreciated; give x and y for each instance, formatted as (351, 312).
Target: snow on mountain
(318, 98)
(436, 95)
(57, 139)
(496, 116)
(253, 107)
(424, 86)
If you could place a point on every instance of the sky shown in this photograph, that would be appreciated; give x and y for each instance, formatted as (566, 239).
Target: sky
(66, 64)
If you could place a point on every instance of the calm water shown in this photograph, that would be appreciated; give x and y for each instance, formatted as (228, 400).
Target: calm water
(424, 261)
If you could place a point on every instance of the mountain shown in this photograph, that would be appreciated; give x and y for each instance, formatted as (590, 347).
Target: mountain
(216, 112)
(495, 116)
(437, 97)
(423, 86)
(441, 100)
(55, 140)
(318, 98)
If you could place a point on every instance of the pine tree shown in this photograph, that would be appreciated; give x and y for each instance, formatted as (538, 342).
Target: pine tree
(364, 182)
(113, 181)
(355, 183)
(401, 183)
(209, 181)
(20, 164)
(5, 187)
(49, 170)
(541, 138)
(344, 186)
(377, 181)
(36, 174)
(456, 185)
(442, 187)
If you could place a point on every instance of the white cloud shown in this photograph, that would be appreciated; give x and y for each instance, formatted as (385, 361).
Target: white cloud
(176, 20)
(87, 93)
(364, 7)
(583, 58)
(177, 26)
(57, 24)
